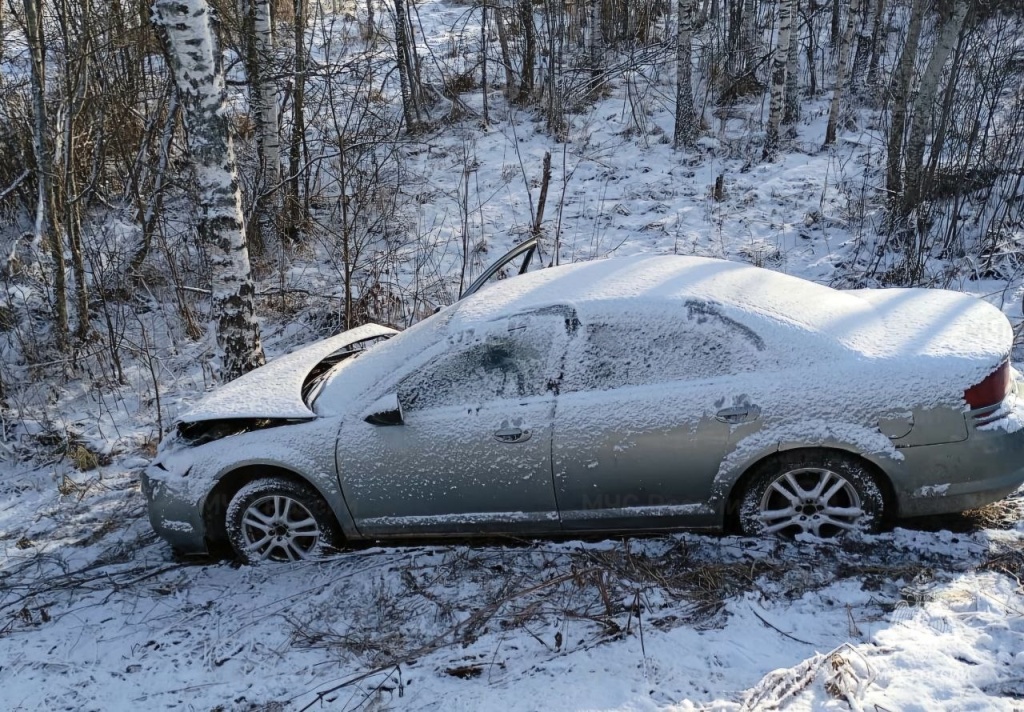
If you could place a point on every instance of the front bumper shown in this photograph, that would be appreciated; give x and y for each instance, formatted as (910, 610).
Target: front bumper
(174, 516)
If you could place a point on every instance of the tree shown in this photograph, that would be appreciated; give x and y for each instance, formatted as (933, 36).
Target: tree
(791, 114)
(778, 89)
(841, 67)
(195, 61)
(45, 229)
(406, 71)
(259, 46)
(294, 207)
(927, 88)
(686, 126)
(901, 100)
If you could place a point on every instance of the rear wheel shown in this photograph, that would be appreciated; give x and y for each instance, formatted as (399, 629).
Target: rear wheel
(277, 519)
(818, 492)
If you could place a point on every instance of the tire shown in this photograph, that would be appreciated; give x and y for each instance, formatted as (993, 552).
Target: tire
(277, 519)
(822, 493)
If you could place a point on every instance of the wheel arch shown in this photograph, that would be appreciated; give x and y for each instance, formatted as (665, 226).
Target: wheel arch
(215, 504)
(739, 487)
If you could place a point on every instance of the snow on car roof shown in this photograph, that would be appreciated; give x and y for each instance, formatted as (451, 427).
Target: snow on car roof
(874, 323)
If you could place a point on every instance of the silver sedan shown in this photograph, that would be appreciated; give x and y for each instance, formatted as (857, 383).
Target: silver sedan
(647, 393)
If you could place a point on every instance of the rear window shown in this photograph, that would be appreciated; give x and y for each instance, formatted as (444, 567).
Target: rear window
(695, 341)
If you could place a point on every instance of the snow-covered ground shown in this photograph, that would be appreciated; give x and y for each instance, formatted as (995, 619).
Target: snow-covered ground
(95, 613)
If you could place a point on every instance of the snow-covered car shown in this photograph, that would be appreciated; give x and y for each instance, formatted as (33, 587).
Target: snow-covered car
(646, 393)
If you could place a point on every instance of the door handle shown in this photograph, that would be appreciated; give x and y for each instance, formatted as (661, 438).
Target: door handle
(512, 435)
(737, 414)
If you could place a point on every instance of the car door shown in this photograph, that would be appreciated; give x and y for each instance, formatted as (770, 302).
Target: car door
(469, 449)
(644, 418)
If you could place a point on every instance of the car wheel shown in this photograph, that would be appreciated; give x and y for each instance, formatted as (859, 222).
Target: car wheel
(822, 493)
(277, 519)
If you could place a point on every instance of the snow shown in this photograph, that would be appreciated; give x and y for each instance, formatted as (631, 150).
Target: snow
(275, 390)
(95, 613)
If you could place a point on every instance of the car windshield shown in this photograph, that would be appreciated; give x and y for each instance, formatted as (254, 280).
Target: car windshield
(350, 378)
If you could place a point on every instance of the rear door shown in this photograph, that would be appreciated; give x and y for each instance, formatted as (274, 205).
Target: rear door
(645, 414)
(472, 450)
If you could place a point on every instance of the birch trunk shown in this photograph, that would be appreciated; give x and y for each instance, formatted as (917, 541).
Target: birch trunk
(901, 99)
(841, 72)
(927, 88)
(791, 114)
(294, 206)
(195, 63)
(529, 50)
(267, 119)
(596, 44)
(406, 73)
(778, 89)
(45, 231)
(686, 127)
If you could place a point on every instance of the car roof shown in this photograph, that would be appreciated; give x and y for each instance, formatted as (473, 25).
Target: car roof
(651, 282)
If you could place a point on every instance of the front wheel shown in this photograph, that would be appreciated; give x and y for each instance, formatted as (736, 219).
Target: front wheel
(277, 519)
(822, 493)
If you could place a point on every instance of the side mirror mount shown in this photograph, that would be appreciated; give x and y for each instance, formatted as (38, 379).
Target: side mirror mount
(386, 411)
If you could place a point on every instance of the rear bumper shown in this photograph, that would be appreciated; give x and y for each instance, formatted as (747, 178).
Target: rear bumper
(953, 477)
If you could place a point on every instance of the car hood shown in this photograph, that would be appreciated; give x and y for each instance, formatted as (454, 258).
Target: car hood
(275, 390)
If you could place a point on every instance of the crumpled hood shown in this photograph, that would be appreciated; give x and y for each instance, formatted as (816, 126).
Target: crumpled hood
(275, 390)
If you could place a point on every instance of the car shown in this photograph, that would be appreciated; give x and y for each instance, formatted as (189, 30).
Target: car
(646, 393)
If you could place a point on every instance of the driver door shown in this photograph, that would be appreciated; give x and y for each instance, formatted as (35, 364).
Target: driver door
(470, 449)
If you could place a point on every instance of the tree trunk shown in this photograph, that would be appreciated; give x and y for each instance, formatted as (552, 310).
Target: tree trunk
(267, 120)
(901, 99)
(778, 88)
(529, 50)
(483, 58)
(195, 62)
(45, 229)
(259, 53)
(76, 84)
(406, 73)
(876, 44)
(791, 113)
(293, 198)
(687, 126)
(923, 105)
(597, 45)
(511, 91)
(841, 72)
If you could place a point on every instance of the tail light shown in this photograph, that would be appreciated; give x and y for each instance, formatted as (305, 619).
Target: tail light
(990, 391)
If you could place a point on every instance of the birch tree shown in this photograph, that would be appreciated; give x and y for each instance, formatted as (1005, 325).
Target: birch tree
(686, 126)
(45, 231)
(259, 50)
(927, 88)
(901, 99)
(778, 88)
(194, 59)
(791, 113)
(841, 68)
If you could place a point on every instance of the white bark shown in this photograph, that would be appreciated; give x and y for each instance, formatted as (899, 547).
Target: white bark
(901, 99)
(778, 86)
(841, 71)
(195, 62)
(686, 126)
(791, 114)
(267, 121)
(927, 88)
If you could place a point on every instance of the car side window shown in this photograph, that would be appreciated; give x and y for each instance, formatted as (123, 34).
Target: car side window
(508, 362)
(697, 343)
